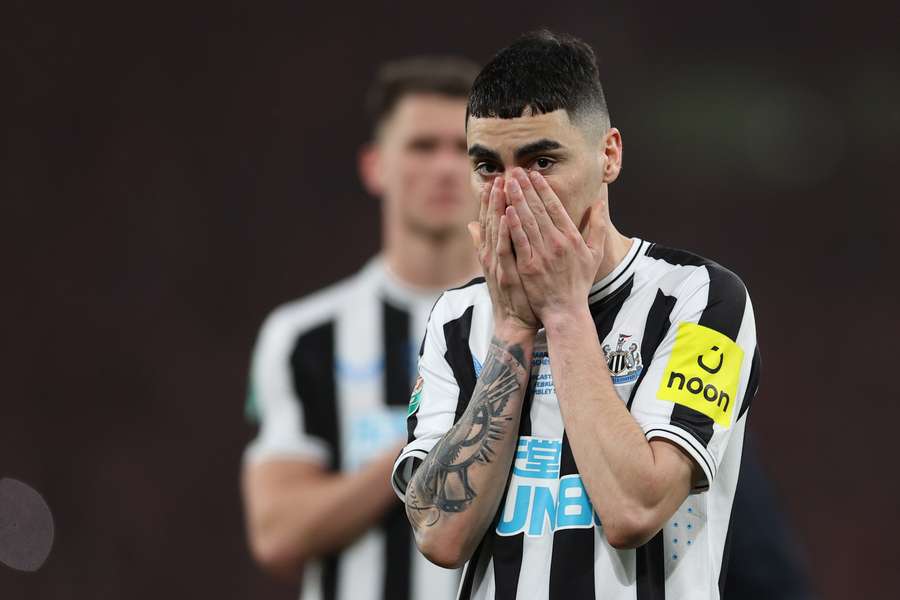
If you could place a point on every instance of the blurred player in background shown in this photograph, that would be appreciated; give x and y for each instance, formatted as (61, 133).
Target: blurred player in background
(331, 373)
(765, 560)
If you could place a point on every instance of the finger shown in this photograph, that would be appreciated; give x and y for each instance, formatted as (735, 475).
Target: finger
(499, 204)
(504, 243)
(484, 201)
(533, 198)
(493, 215)
(518, 236)
(552, 204)
(523, 210)
(505, 256)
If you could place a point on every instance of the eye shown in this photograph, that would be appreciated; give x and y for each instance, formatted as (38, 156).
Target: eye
(543, 163)
(423, 145)
(486, 169)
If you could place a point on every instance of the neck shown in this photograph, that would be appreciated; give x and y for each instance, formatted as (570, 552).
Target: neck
(428, 262)
(616, 245)
(615, 248)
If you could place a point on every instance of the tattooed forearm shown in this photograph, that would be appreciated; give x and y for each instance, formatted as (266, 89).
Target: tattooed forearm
(442, 482)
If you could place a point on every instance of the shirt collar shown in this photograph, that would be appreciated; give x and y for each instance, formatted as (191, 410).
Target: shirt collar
(395, 290)
(619, 275)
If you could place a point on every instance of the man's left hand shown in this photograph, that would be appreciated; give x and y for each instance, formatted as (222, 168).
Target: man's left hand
(556, 262)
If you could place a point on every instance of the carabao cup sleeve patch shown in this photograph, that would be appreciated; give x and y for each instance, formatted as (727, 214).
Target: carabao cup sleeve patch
(415, 397)
(703, 372)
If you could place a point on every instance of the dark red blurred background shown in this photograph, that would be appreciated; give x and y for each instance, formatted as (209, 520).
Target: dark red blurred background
(170, 173)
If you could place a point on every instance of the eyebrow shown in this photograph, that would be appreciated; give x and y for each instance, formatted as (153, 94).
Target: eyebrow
(536, 148)
(480, 152)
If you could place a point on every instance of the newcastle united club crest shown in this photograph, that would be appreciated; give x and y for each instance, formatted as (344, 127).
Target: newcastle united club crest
(624, 362)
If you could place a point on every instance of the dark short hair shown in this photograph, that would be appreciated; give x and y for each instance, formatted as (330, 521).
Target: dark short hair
(442, 75)
(542, 71)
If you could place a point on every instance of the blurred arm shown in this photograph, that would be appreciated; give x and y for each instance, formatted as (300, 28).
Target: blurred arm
(297, 510)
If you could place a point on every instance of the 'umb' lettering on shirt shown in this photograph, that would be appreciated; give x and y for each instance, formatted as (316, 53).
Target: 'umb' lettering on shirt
(539, 501)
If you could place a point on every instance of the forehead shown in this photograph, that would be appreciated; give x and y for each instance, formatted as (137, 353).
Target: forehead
(505, 135)
(427, 114)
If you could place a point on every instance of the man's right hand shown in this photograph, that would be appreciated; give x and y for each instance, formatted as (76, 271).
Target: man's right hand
(491, 237)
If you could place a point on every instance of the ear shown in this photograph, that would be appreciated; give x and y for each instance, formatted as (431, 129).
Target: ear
(369, 160)
(612, 150)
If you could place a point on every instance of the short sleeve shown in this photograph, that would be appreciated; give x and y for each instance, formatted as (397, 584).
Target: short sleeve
(274, 401)
(432, 405)
(704, 371)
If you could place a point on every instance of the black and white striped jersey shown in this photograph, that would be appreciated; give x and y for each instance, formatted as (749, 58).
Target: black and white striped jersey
(680, 343)
(330, 381)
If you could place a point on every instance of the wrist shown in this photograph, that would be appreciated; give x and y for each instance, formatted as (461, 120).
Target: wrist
(510, 330)
(567, 320)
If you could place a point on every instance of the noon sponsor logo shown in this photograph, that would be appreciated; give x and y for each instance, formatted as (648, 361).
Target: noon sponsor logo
(703, 372)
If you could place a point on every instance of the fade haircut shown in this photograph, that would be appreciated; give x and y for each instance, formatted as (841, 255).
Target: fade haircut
(541, 72)
(449, 76)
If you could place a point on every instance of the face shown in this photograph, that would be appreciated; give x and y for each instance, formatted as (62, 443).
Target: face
(576, 162)
(418, 165)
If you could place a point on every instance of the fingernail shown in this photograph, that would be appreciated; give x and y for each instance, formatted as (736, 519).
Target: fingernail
(513, 185)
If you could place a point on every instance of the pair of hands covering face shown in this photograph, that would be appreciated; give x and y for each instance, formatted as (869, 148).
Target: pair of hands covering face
(537, 264)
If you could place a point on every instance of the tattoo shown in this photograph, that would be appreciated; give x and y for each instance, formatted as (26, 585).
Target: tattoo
(441, 484)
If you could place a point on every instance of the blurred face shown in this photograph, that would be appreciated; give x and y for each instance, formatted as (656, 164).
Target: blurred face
(575, 162)
(418, 165)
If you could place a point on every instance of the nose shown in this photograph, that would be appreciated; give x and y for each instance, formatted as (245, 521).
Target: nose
(513, 173)
(450, 163)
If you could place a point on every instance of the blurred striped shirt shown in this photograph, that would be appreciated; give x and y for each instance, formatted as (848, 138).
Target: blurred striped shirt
(330, 382)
